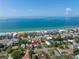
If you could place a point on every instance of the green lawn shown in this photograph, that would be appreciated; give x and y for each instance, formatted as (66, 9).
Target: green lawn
(60, 57)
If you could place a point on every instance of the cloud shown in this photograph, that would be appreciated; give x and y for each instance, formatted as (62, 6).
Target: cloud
(68, 11)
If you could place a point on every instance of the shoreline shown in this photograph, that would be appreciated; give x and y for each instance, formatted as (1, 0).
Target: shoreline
(39, 30)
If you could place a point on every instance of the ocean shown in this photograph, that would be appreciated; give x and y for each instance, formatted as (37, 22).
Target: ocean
(43, 23)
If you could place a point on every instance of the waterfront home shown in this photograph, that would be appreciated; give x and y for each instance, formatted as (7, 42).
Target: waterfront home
(19, 34)
(14, 34)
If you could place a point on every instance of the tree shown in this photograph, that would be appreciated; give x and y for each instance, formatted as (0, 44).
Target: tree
(58, 38)
(1, 45)
(16, 54)
(77, 40)
(25, 34)
(63, 46)
(76, 51)
(40, 46)
(22, 41)
(46, 55)
(30, 54)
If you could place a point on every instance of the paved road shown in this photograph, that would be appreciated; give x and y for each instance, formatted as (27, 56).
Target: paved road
(26, 56)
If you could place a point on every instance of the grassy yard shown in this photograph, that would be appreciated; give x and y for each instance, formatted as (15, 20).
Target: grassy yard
(60, 57)
(3, 55)
(50, 52)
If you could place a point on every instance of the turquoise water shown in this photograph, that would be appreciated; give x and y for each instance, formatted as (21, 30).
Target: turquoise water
(28, 24)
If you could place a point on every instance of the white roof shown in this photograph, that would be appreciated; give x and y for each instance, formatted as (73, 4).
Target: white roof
(61, 30)
(23, 45)
(48, 43)
(71, 40)
(45, 31)
(9, 43)
(49, 37)
(14, 34)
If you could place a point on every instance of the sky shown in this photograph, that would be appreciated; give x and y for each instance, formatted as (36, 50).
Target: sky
(26, 8)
